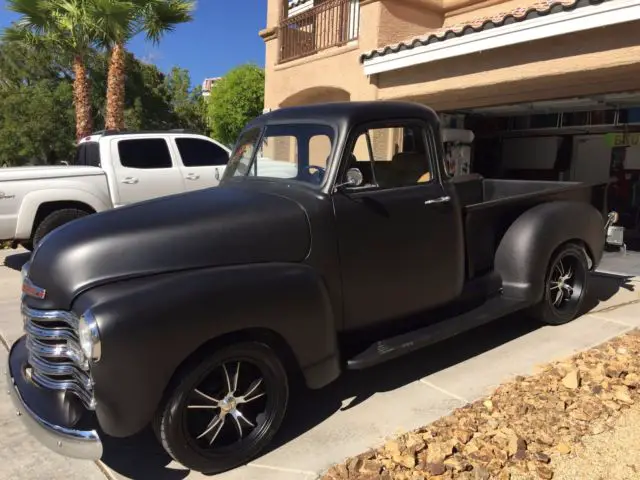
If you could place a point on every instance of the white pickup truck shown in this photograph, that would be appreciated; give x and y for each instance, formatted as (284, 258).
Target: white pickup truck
(109, 170)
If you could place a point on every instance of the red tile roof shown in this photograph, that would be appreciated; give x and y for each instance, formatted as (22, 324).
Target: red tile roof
(519, 14)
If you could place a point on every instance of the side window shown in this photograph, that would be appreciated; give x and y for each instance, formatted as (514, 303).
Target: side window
(87, 153)
(201, 153)
(390, 157)
(144, 153)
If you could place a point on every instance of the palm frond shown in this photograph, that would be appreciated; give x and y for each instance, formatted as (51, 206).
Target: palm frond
(113, 19)
(158, 17)
(34, 13)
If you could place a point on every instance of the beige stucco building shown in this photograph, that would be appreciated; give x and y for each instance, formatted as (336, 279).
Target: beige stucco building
(550, 89)
(449, 53)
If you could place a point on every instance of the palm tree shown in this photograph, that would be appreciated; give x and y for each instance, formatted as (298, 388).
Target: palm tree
(120, 21)
(67, 28)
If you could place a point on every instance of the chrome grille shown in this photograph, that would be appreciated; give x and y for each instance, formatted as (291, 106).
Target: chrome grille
(55, 357)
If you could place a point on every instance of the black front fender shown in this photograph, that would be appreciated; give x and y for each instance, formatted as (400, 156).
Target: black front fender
(150, 326)
(526, 248)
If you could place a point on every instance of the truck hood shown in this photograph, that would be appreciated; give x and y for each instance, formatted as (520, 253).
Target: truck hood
(206, 228)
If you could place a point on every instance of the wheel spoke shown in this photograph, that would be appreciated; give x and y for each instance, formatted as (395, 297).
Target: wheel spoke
(235, 378)
(250, 394)
(212, 424)
(203, 407)
(241, 416)
(569, 274)
(558, 269)
(558, 297)
(226, 377)
(215, 434)
(206, 397)
(236, 423)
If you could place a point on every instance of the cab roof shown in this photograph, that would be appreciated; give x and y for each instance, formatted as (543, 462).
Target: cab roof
(348, 113)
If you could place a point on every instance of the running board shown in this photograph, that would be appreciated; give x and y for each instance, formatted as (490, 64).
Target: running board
(399, 345)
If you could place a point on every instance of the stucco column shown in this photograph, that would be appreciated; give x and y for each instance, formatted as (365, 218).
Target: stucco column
(275, 11)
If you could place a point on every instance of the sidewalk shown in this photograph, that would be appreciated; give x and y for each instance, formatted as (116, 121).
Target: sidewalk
(359, 411)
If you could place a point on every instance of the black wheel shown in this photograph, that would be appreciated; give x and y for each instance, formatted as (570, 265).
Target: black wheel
(52, 221)
(566, 284)
(224, 409)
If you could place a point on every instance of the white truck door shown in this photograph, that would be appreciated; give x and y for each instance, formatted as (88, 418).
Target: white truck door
(203, 161)
(145, 169)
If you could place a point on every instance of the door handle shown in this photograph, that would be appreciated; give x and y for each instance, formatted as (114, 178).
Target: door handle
(444, 199)
(130, 180)
(192, 176)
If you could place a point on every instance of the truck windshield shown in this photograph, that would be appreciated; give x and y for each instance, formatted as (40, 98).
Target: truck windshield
(297, 152)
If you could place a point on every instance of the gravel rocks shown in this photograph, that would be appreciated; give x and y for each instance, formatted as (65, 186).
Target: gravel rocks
(520, 430)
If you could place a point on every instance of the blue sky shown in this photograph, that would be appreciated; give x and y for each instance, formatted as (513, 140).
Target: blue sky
(223, 34)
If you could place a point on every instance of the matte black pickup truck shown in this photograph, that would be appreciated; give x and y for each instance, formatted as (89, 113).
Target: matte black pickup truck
(336, 240)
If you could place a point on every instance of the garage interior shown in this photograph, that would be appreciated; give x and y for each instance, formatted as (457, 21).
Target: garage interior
(588, 139)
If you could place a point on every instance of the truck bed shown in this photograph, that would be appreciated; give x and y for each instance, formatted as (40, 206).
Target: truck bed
(490, 206)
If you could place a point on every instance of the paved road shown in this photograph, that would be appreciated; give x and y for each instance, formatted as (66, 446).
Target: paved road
(355, 413)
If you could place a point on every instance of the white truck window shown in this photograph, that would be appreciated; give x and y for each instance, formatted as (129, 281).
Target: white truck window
(88, 153)
(201, 153)
(144, 153)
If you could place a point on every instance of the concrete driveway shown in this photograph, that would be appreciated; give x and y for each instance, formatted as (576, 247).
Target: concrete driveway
(357, 412)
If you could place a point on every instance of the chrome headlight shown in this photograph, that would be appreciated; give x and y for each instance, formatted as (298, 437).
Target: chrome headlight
(89, 336)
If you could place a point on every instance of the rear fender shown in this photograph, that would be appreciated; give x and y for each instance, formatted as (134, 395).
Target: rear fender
(525, 250)
(33, 200)
(150, 326)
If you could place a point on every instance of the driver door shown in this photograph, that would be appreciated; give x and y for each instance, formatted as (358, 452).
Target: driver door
(396, 229)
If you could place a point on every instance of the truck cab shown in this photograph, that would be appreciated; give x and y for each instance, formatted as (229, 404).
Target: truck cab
(336, 240)
(144, 165)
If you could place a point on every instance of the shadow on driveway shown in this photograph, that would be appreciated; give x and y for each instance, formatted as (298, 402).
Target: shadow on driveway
(17, 260)
(141, 457)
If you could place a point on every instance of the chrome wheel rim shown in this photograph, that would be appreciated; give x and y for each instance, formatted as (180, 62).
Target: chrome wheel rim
(229, 406)
(566, 283)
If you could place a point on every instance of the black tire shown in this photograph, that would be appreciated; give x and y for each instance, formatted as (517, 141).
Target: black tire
(52, 221)
(563, 299)
(179, 427)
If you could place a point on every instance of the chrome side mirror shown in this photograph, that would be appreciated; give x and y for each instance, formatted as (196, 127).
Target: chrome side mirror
(612, 219)
(354, 177)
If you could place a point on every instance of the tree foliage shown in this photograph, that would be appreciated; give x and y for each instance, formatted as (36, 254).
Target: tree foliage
(36, 102)
(235, 99)
(37, 123)
(69, 29)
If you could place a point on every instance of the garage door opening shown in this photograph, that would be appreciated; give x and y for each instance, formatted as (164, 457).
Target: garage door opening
(588, 139)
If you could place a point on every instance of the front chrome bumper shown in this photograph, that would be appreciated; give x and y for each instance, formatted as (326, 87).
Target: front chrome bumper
(84, 444)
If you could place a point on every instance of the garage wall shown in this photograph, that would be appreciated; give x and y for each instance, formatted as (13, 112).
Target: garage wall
(596, 61)
(533, 153)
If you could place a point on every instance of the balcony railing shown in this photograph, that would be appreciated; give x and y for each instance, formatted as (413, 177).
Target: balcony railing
(332, 23)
